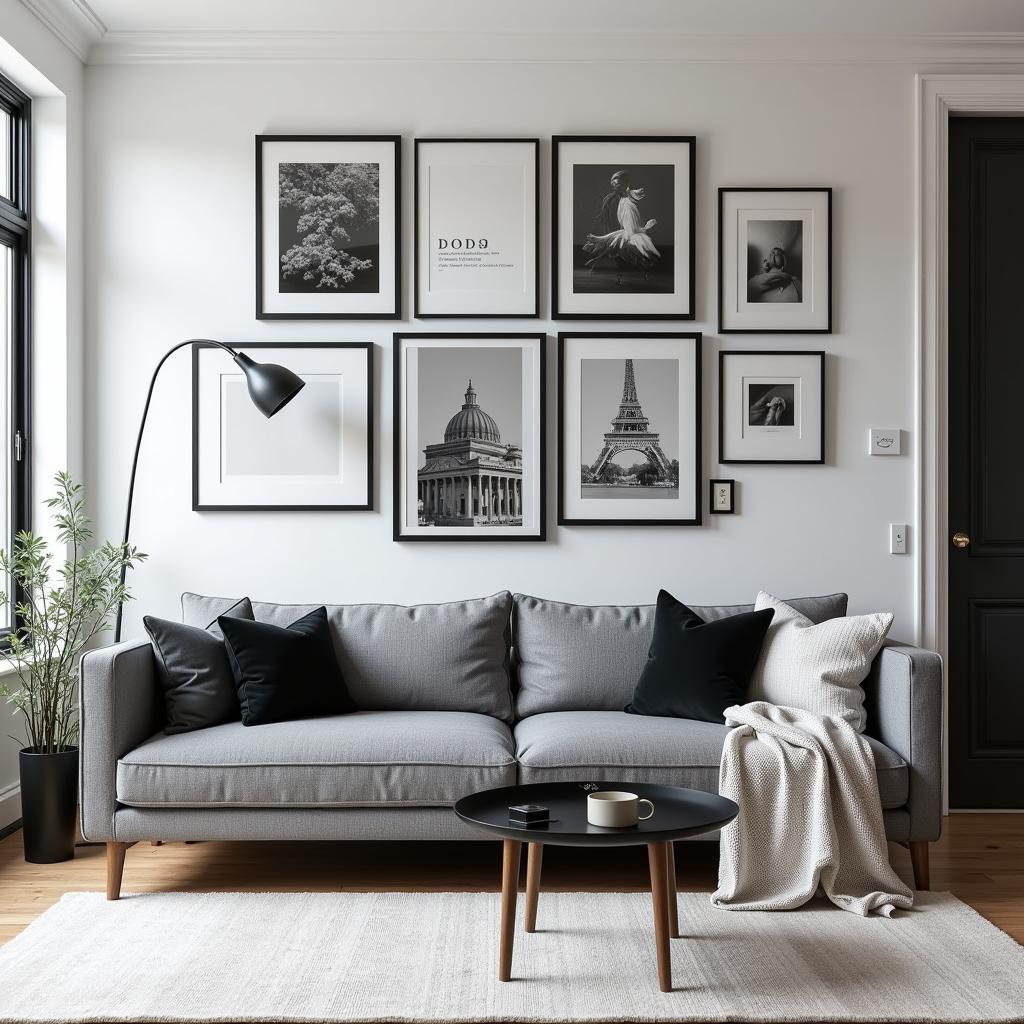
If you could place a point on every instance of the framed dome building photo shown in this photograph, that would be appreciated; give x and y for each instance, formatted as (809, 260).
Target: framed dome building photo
(469, 429)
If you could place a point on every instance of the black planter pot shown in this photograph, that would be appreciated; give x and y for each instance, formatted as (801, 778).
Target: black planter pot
(49, 804)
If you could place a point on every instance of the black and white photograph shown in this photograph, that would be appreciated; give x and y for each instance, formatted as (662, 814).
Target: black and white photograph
(771, 407)
(469, 418)
(723, 497)
(327, 226)
(622, 224)
(629, 429)
(316, 453)
(775, 261)
(476, 252)
(630, 450)
(771, 404)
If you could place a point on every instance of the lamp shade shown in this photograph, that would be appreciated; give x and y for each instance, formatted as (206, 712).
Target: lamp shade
(271, 386)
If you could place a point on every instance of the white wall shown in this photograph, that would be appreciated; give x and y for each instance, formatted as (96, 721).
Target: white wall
(45, 69)
(170, 254)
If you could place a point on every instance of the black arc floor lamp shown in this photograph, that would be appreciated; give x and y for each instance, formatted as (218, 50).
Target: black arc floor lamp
(271, 388)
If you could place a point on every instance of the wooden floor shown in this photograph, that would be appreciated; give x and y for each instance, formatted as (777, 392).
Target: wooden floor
(980, 859)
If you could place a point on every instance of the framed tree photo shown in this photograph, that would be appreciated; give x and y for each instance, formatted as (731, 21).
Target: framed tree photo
(328, 227)
(775, 261)
(629, 429)
(622, 227)
(476, 252)
(771, 407)
(315, 454)
(469, 437)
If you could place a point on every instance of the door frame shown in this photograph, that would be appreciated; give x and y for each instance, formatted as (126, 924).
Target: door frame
(937, 97)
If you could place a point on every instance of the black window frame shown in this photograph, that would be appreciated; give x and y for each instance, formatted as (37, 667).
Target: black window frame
(16, 232)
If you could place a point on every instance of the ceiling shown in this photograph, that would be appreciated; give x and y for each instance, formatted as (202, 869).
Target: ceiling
(103, 28)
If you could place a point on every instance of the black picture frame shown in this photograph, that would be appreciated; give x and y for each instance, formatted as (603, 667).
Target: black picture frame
(689, 140)
(417, 313)
(732, 498)
(396, 312)
(398, 428)
(723, 357)
(725, 190)
(368, 346)
(698, 475)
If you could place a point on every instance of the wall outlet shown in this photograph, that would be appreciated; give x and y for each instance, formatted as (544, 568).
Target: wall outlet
(884, 441)
(897, 538)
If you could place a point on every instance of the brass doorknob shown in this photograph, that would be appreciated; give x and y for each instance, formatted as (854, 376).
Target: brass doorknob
(961, 540)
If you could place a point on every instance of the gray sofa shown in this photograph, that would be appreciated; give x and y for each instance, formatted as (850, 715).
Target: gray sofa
(457, 698)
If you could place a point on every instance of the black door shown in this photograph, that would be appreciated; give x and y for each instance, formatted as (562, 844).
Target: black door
(986, 462)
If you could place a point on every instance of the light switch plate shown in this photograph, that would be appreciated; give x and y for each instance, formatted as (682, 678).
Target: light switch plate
(897, 538)
(884, 441)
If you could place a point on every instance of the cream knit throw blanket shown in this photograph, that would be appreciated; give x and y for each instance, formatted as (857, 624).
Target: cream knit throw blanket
(810, 815)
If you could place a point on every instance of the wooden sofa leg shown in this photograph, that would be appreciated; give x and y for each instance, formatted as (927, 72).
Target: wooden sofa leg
(156, 842)
(115, 868)
(919, 860)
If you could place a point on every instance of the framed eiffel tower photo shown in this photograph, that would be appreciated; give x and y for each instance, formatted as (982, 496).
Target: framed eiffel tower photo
(629, 429)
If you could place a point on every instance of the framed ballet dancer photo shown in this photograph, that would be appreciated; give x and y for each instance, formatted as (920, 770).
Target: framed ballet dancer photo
(775, 261)
(622, 227)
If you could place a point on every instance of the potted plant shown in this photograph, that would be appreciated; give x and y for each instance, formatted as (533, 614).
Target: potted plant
(59, 605)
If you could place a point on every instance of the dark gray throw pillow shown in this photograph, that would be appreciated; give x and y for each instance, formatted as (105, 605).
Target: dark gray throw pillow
(696, 669)
(192, 663)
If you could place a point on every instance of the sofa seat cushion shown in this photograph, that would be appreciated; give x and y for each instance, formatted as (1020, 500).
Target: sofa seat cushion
(366, 759)
(611, 746)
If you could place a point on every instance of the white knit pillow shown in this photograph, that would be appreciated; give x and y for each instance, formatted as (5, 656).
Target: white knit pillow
(817, 668)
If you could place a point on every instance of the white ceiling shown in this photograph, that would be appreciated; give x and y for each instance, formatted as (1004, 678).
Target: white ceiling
(175, 30)
(691, 16)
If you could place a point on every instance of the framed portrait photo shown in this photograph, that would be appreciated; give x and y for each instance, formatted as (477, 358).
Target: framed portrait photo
(469, 437)
(629, 429)
(476, 228)
(622, 227)
(775, 261)
(328, 227)
(723, 497)
(316, 453)
(771, 407)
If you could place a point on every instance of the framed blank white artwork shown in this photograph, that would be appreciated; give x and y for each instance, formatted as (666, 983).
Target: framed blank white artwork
(316, 453)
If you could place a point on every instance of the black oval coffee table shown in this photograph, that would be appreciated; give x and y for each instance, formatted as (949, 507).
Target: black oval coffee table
(678, 813)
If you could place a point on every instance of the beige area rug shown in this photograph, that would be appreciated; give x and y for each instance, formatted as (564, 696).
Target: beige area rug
(433, 957)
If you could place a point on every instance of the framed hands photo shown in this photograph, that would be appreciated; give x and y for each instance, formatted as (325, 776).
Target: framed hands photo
(775, 261)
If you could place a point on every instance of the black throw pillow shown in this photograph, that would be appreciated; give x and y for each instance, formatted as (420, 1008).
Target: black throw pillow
(696, 669)
(285, 673)
(194, 671)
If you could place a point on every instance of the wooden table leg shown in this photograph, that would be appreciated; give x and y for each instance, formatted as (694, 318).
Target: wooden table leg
(657, 855)
(509, 890)
(673, 898)
(534, 856)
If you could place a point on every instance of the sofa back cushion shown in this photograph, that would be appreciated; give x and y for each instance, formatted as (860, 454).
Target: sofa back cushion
(574, 657)
(428, 657)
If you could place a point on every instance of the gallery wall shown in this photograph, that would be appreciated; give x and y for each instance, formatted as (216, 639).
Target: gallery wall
(170, 255)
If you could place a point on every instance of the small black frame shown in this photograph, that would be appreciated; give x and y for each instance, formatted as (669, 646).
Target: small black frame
(398, 427)
(416, 233)
(827, 329)
(691, 142)
(696, 337)
(370, 416)
(732, 498)
(396, 140)
(722, 355)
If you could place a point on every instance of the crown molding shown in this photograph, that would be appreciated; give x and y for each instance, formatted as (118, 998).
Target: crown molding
(73, 22)
(455, 46)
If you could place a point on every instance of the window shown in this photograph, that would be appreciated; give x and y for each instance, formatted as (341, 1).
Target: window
(15, 347)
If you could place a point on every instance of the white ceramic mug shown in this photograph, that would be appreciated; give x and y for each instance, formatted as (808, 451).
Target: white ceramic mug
(614, 809)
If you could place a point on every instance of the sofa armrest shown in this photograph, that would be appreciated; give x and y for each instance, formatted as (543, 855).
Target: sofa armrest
(904, 707)
(120, 704)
